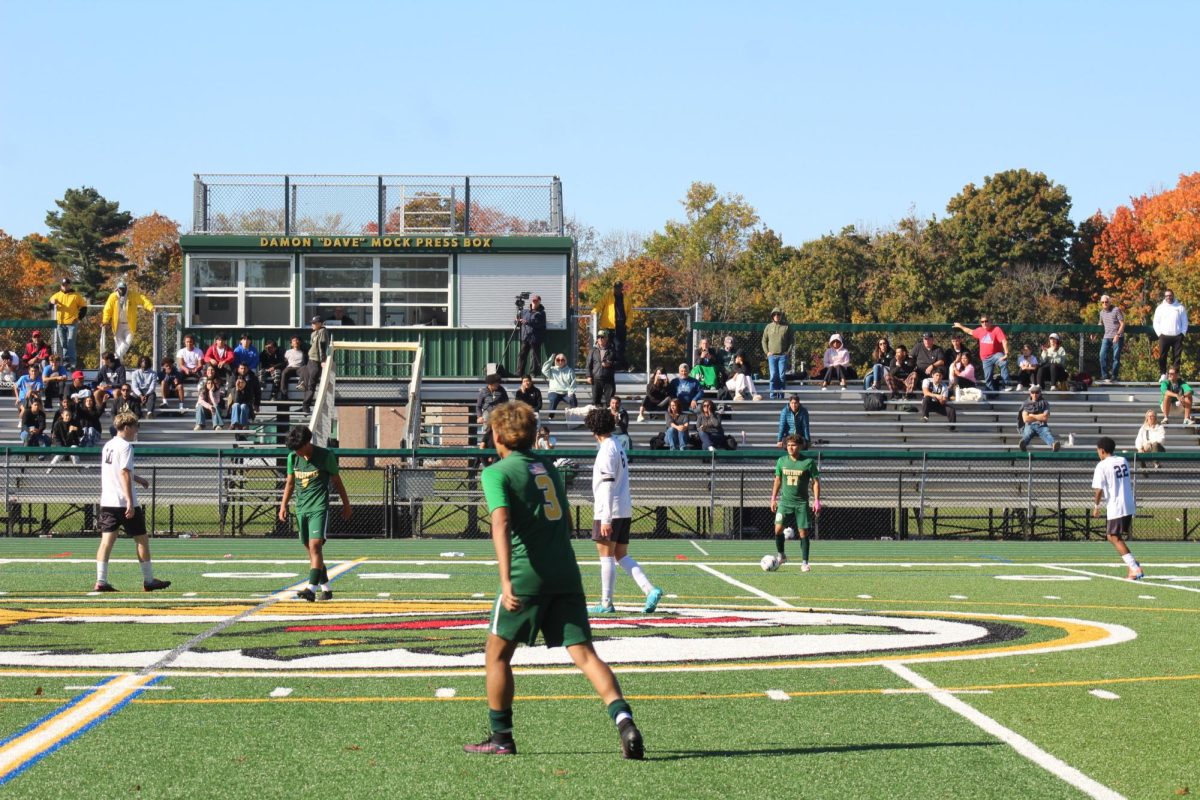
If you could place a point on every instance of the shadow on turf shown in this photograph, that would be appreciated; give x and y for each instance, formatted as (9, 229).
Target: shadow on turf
(677, 755)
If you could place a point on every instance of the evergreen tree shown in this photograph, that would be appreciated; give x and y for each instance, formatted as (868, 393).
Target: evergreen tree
(85, 238)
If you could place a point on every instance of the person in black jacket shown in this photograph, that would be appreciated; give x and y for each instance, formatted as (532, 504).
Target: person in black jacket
(66, 432)
(600, 370)
(532, 320)
(491, 395)
(33, 424)
(529, 394)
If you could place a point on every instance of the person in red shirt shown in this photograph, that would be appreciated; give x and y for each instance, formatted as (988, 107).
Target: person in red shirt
(36, 352)
(993, 351)
(220, 355)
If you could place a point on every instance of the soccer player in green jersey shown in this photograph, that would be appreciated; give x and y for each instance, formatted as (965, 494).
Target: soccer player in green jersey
(314, 468)
(541, 590)
(789, 497)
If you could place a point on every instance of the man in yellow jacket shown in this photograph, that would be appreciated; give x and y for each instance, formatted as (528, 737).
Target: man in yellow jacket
(120, 315)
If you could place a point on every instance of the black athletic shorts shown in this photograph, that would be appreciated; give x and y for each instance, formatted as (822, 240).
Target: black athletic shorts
(620, 534)
(112, 519)
(1120, 526)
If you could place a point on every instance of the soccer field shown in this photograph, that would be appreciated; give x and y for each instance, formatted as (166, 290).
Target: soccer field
(892, 669)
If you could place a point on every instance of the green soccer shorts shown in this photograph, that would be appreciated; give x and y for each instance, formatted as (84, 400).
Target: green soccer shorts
(312, 525)
(797, 517)
(562, 620)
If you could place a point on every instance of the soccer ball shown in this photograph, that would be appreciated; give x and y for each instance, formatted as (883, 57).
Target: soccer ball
(789, 533)
(769, 563)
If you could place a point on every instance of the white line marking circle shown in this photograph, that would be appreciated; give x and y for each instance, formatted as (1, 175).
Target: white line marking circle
(251, 575)
(403, 576)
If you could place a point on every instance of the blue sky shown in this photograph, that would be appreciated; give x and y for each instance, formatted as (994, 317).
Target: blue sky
(820, 115)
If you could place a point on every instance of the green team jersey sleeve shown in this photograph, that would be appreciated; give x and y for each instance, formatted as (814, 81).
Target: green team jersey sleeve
(493, 489)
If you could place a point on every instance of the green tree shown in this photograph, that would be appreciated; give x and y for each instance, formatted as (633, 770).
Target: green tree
(85, 238)
(911, 274)
(823, 282)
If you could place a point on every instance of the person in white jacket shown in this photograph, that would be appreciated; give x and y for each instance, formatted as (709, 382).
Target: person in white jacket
(1170, 323)
(1151, 435)
(561, 375)
(613, 514)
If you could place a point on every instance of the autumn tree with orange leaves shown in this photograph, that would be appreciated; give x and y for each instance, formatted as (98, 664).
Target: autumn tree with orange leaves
(28, 282)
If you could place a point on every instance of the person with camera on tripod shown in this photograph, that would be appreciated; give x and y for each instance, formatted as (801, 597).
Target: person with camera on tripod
(532, 319)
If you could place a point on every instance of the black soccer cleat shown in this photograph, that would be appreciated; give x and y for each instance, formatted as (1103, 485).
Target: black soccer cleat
(154, 584)
(495, 745)
(631, 740)
(326, 595)
(102, 586)
(306, 594)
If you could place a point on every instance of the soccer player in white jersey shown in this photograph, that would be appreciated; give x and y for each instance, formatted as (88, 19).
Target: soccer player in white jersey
(119, 508)
(612, 514)
(1111, 480)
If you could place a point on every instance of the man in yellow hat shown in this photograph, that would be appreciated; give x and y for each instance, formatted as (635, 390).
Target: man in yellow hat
(120, 314)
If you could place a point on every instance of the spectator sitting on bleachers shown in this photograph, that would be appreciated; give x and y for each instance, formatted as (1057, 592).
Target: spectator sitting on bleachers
(208, 404)
(270, 365)
(708, 425)
(620, 420)
(79, 388)
(708, 370)
(793, 421)
(65, 432)
(1151, 435)
(109, 378)
(658, 394)
(220, 355)
(189, 360)
(33, 423)
(561, 377)
(529, 394)
(962, 372)
(36, 352)
(144, 383)
(64, 404)
(244, 372)
(993, 351)
(1053, 369)
(246, 353)
(171, 382)
(957, 348)
(901, 376)
(9, 362)
(240, 403)
(28, 385)
(837, 363)
(741, 380)
(935, 398)
(54, 378)
(728, 355)
(881, 360)
(1027, 366)
(1175, 393)
(678, 425)
(544, 440)
(89, 420)
(927, 356)
(686, 389)
(1035, 419)
(126, 402)
(294, 358)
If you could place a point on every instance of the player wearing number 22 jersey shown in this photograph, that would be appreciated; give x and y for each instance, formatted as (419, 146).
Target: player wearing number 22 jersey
(541, 591)
(1112, 482)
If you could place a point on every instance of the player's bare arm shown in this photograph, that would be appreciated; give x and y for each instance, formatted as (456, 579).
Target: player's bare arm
(503, 547)
(127, 491)
(289, 486)
(775, 493)
(816, 492)
(340, 488)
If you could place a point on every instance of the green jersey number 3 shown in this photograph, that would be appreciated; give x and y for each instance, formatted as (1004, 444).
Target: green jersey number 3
(552, 505)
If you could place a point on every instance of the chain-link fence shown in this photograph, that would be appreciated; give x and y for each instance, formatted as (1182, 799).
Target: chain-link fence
(301, 205)
(437, 493)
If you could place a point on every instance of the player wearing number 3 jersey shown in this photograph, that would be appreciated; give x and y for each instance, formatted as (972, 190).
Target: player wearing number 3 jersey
(1111, 480)
(541, 590)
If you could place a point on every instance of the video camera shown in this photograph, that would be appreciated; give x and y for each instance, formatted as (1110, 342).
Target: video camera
(520, 299)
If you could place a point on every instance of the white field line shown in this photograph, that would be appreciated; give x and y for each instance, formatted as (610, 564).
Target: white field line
(492, 562)
(698, 547)
(1028, 749)
(1122, 580)
(745, 587)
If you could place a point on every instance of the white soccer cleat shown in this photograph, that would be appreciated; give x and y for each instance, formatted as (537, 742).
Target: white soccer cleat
(805, 567)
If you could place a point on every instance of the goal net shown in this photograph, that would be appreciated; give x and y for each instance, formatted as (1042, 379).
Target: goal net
(367, 373)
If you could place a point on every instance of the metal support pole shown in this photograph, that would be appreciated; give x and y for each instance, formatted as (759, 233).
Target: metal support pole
(1080, 352)
(287, 205)
(648, 353)
(381, 198)
(556, 206)
(1028, 526)
(467, 206)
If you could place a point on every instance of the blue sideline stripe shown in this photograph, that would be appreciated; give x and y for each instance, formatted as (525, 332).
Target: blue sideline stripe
(69, 704)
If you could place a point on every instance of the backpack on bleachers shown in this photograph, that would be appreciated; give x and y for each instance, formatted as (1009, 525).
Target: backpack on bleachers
(874, 401)
(659, 441)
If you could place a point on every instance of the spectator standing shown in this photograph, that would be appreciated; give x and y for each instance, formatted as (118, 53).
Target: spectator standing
(55, 378)
(36, 352)
(1170, 323)
(600, 370)
(294, 359)
(678, 425)
(793, 421)
(318, 342)
(1035, 417)
(708, 425)
(220, 355)
(1112, 319)
(532, 319)
(777, 343)
(270, 365)
(962, 372)
(1027, 366)
(993, 351)
(881, 359)
(189, 360)
(171, 383)
(928, 356)
(686, 388)
(69, 307)
(1053, 368)
(561, 377)
(144, 382)
(1175, 392)
(208, 404)
(491, 395)
(837, 363)
(620, 325)
(529, 394)
(120, 314)
(935, 399)
(1151, 436)
(901, 376)
(658, 394)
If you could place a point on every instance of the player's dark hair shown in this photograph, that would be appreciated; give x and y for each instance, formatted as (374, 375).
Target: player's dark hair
(600, 421)
(793, 438)
(1106, 444)
(297, 437)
